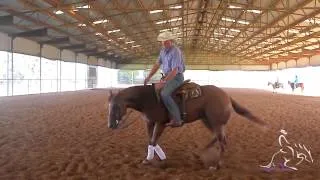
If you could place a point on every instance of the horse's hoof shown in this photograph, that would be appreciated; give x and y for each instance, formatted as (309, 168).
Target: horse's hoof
(212, 168)
(162, 164)
(216, 167)
(146, 162)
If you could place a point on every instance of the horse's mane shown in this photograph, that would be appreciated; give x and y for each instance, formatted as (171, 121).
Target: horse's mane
(137, 96)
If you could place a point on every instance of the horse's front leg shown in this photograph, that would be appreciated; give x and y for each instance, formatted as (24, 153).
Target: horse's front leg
(154, 132)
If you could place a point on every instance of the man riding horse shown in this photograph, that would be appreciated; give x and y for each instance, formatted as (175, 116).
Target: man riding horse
(172, 65)
(296, 80)
(277, 83)
(208, 103)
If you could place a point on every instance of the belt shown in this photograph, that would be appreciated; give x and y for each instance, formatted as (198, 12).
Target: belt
(176, 74)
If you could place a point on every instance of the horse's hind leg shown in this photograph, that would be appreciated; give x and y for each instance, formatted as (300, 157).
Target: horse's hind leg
(211, 157)
(220, 137)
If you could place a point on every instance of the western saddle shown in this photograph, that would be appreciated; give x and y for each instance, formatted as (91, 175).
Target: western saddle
(188, 90)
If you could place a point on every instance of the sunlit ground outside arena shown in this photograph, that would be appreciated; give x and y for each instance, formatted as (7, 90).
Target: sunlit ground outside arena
(240, 79)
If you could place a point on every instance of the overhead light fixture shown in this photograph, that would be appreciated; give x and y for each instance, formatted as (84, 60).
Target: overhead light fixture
(232, 20)
(163, 30)
(234, 30)
(129, 42)
(312, 47)
(101, 21)
(315, 29)
(121, 38)
(254, 11)
(112, 31)
(83, 7)
(82, 25)
(58, 12)
(155, 11)
(284, 54)
(234, 7)
(293, 31)
(170, 20)
(243, 22)
(304, 34)
(136, 46)
(175, 19)
(313, 40)
(296, 51)
(176, 7)
(218, 33)
(161, 22)
(228, 19)
(216, 39)
(99, 34)
(229, 35)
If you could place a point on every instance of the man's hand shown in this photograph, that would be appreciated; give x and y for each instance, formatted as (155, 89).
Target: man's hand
(146, 81)
(153, 70)
(159, 85)
(163, 81)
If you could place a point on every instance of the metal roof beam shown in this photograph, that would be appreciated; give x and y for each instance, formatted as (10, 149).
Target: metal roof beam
(32, 33)
(56, 41)
(6, 20)
(103, 53)
(76, 46)
(85, 51)
(276, 20)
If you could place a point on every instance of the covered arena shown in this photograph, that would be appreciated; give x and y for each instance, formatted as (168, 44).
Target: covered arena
(60, 59)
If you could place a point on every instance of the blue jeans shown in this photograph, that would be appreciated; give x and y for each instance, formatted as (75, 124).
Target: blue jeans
(166, 93)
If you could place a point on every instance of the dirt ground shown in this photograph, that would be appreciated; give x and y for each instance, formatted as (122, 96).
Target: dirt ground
(65, 136)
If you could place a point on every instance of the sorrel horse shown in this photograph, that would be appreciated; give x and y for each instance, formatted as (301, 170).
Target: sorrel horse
(297, 85)
(213, 107)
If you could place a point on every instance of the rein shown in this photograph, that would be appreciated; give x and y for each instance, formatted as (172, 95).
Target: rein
(123, 124)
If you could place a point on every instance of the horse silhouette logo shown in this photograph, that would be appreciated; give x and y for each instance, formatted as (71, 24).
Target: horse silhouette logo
(292, 155)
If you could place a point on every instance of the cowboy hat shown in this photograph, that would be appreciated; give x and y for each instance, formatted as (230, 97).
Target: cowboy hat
(164, 36)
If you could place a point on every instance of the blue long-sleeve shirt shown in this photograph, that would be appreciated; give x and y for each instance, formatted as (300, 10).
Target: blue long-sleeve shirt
(171, 58)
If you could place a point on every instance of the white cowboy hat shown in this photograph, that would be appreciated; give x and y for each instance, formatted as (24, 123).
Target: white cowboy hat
(164, 36)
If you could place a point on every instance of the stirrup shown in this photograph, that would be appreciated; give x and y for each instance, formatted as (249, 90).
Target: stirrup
(184, 116)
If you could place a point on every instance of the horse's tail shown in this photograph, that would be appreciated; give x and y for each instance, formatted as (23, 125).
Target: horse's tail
(246, 113)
